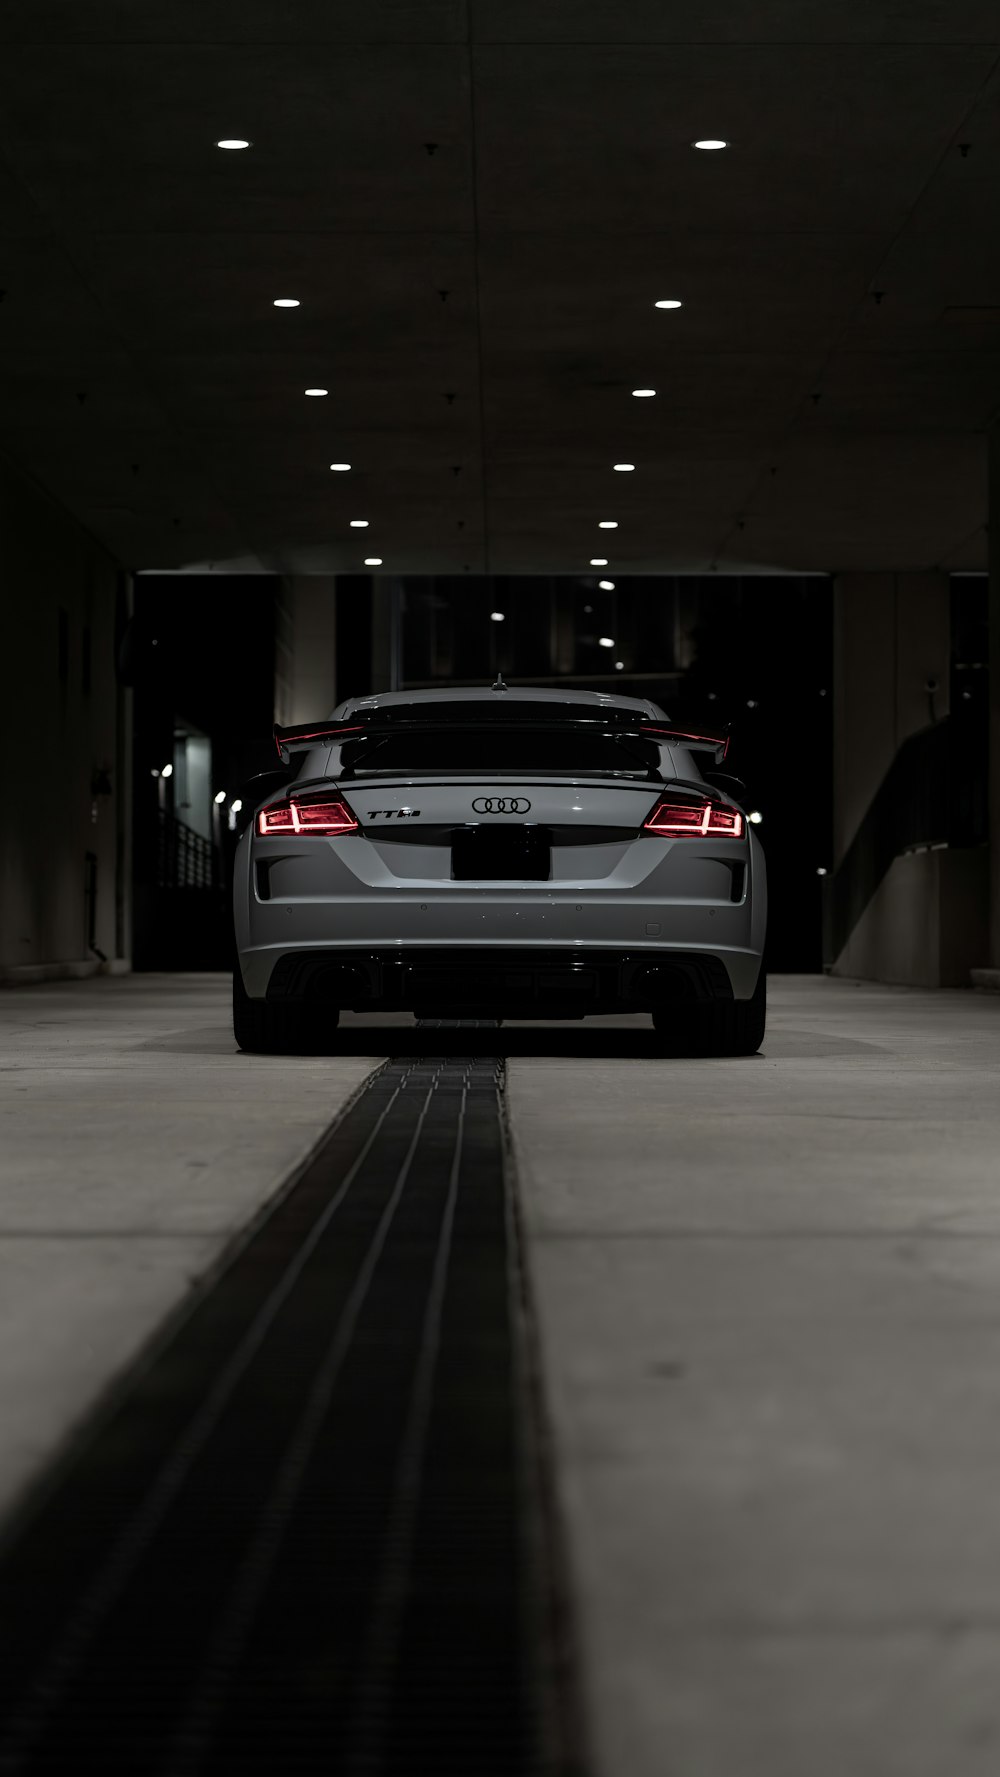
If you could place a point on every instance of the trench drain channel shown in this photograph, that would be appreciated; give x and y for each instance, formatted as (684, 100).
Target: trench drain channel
(309, 1534)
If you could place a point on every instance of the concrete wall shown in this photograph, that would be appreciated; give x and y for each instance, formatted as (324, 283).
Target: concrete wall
(993, 951)
(891, 633)
(306, 653)
(66, 742)
(925, 925)
(927, 922)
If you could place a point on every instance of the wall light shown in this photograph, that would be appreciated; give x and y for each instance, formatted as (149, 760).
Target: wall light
(606, 585)
(598, 561)
(619, 666)
(668, 302)
(624, 468)
(340, 468)
(822, 870)
(497, 616)
(220, 798)
(710, 144)
(287, 302)
(167, 771)
(317, 391)
(236, 806)
(359, 524)
(606, 641)
(607, 524)
(643, 394)
(232, 142)
(373, 561)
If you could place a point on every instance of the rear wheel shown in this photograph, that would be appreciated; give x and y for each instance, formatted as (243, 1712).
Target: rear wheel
(723, 1027)
(276, 1027)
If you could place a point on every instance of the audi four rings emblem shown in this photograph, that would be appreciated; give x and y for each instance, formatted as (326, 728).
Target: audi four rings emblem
(501, 805)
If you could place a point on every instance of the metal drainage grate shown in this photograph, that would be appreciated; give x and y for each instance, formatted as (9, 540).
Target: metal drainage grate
(306, 1539)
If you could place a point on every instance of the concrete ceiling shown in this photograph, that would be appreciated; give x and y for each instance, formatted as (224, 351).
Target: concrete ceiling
(481, 312)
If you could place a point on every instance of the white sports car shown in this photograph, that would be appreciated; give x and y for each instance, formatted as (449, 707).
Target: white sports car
(500, 853)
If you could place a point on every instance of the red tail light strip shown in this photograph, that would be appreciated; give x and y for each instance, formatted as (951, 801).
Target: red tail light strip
(323, 819)
(691, 821)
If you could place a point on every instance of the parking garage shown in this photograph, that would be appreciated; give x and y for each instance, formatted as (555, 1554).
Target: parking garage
(471, 1388)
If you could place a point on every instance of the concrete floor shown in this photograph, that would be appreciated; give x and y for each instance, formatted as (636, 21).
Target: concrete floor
(134, 1143)
(769, 1301)
(769, 1294)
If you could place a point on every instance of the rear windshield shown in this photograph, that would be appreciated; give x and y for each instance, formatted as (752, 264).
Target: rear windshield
(458, 750)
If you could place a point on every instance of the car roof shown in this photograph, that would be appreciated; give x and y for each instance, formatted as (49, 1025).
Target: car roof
(489, 695)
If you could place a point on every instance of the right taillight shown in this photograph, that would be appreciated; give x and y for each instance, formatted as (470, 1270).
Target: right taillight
(690, 820)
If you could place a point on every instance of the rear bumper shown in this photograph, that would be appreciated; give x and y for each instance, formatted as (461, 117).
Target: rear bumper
(545, 982)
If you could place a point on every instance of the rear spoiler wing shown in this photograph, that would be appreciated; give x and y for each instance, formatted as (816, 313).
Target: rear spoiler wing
(328, 734)
(311, 734)
(716, 744)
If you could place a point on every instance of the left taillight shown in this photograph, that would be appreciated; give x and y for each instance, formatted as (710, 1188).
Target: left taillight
(322, 819)
(691, 820)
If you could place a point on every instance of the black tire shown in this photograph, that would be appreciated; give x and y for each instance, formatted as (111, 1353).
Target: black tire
(727, 1027)
(276, 1027)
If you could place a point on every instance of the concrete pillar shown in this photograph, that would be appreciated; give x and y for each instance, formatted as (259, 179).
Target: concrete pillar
(921, 921)
(387, 638)
(891, 643)
(307, 648)
(994, 759)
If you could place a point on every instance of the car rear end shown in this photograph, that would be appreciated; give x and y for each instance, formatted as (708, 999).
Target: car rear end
(505, 855)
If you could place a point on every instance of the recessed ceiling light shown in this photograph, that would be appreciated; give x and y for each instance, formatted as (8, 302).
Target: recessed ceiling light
(624, 468)
(286, 302)
(359, 524)
(640, 393)
(709, 143)
(497, 616)
(317, 391)
(373, 561)
(668, 302)
(607, 524)
(340, 468)
(606, 641)
(606, 585)
(232, 142)
(598, 561)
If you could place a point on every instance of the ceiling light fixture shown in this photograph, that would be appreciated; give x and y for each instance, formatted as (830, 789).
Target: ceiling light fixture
(642, 394)
(232, 142)
(373, 561)
(607, 524)
(710, 144)
(340, 468)
(598, 561)
(624, 468)
(606, 585)
(606, 641)
(287, 302)
(317, 391)
(497, 616)
(359, 524)
(668, 302)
